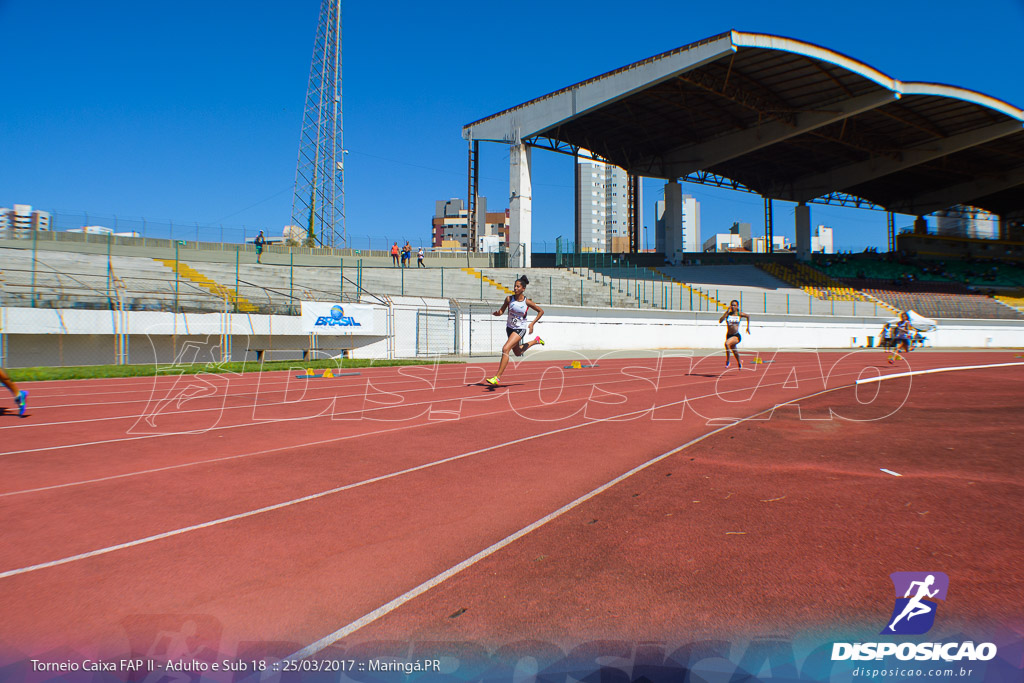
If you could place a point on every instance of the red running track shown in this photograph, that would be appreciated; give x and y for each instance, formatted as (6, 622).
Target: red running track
(647, 497)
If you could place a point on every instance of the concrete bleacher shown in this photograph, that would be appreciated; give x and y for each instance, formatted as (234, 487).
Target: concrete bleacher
(60, 279)
(1013, 298)
(65, 279)
(284, 286)
(948, 305)
(712, 287)
(932, 288)
(978, 274)
(727, 276)
(577, 287)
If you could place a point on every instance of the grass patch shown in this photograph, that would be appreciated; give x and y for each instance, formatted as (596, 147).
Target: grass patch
(100, 371)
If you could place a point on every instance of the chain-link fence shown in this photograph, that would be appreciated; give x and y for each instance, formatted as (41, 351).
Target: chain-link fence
(245, 306)
(194, 231)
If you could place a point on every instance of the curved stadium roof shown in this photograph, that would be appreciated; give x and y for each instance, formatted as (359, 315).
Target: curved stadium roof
(790, 120)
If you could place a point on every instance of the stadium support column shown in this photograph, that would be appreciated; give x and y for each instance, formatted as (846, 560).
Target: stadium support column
(520, 204)
(673, 222)
(577, 213)
(471, 196)
(803, 232)
(635, 214)
(920, 226)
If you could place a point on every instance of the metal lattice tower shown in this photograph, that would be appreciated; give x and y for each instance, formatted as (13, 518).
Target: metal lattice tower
(319, 201)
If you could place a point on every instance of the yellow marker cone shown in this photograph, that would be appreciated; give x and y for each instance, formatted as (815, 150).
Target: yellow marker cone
(309, 372)
(576, 365)
(328, 373)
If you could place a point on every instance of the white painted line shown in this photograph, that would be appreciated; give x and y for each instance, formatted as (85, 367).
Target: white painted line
(385, 609)
(935, 370)
(381, 611)
(895, 474)
(328, 397)
(332, 440)
(278, 506)
(432, 401)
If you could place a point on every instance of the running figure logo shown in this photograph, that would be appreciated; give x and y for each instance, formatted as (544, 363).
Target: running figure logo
(914, 612)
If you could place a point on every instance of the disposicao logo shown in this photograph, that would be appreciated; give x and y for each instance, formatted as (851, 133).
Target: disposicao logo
(914, 614)
(337, 318)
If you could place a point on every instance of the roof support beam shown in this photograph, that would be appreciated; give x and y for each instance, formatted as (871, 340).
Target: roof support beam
(550, 111)
(962, 193)
(684, 160)
(814, 185)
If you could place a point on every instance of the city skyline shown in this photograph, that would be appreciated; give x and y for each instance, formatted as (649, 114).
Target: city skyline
(195, 119)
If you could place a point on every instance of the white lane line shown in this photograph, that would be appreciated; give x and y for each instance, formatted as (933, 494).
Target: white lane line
(278, 506)
(278, 449)
(895, 474)
(314, 496)
(935, 370)
(382, 383)
(363, 410)
(346, 438)
(220, 399)
(391, 606)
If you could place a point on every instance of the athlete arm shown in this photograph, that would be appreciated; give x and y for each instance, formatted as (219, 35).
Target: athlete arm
(504, 305)
(723, 316)
(748, 321)
(540, 312)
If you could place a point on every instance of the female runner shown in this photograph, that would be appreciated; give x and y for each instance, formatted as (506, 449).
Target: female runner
(516, 327)
(732, 317)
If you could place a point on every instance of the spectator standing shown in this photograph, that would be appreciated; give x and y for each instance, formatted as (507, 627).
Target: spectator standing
(394, 254)
(419, 259)
(259, 241)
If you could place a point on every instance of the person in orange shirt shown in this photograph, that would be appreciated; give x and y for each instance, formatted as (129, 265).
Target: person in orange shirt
(394, 253)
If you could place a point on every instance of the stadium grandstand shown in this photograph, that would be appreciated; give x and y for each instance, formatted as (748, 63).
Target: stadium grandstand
(200, 290)
(920, 148)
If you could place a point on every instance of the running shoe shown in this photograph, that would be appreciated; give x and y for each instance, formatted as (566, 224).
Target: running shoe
(493, 381)
(538, 340)
(22, 400)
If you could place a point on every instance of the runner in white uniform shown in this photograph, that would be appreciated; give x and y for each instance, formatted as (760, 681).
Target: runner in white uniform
(904, 332)
(732, 317)
(516, 326)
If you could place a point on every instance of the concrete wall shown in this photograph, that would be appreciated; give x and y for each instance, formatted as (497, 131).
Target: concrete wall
(43, 337)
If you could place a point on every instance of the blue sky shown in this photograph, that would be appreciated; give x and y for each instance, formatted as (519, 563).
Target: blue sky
(190, 111)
